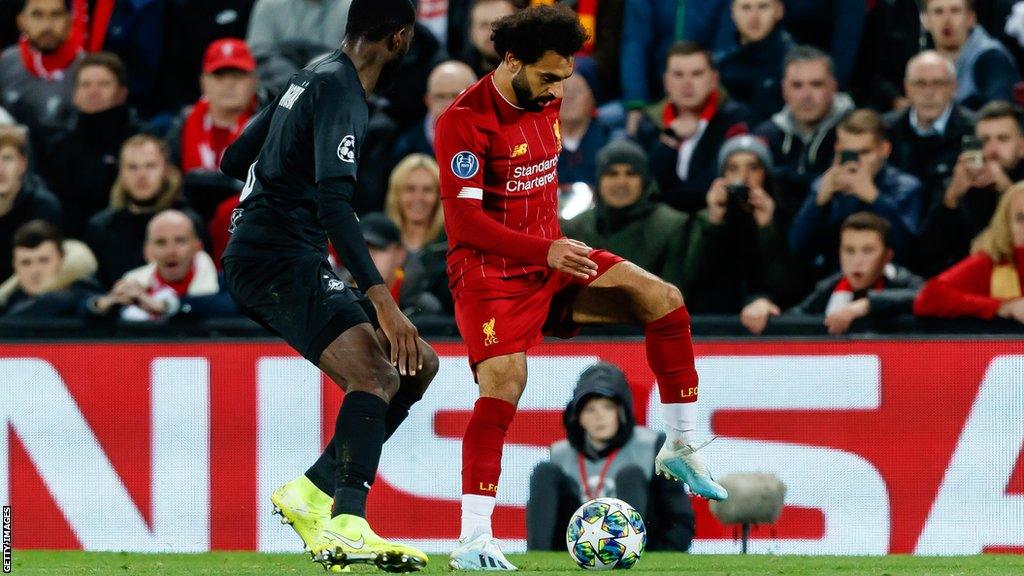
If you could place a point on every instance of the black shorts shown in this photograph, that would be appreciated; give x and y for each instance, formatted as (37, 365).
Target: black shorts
(299, 298)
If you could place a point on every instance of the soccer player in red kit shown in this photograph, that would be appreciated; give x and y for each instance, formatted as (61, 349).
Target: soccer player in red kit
(515, 277)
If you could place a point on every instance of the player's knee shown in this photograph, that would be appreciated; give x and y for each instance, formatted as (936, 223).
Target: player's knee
(672, 296)
(431, 364)
(376, 376)
(659, 299)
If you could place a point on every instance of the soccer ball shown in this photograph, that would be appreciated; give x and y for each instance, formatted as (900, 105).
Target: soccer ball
(606, 534)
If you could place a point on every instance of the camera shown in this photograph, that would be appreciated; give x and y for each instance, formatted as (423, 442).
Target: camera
(971, 144)
(848, 156)
(738, 194)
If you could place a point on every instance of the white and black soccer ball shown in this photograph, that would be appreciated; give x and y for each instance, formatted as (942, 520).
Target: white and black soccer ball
(606, 534)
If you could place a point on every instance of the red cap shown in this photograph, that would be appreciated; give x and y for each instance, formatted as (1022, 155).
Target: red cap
(228, 53)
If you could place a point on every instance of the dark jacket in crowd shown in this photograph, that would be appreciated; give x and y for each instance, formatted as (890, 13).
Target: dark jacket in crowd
(116, 238)
(647, 233)
(136, 33)
(405, 94)
(580, 165)
(800, 159)
(892, 36)
(946, 234)
(736, 262)
(412, 141)
(835, 26)
(81, 163)
(752, 73)
(649, 29)
(65, 303)
(985, 71)
(814, 234)
(192, 25)
(931, 158)
(557, 488)
(34, 201)
(690, 195)
(899, 288)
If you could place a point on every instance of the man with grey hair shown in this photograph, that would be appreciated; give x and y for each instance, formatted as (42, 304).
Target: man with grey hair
(927, 137)
(802, 135)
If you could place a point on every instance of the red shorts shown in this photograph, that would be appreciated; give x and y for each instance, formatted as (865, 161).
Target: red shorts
(517, 317)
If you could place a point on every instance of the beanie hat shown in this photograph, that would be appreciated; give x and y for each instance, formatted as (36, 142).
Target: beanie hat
(622, 151)
(745, 143)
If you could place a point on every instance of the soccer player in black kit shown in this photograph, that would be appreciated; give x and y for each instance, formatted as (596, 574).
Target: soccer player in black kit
(299, 160)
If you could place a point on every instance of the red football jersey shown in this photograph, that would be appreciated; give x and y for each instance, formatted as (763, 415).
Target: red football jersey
(497, 161)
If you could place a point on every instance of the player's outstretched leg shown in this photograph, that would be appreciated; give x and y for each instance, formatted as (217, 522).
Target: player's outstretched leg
(627, 293)
(305, 502)
(356, 361)
(502, 380)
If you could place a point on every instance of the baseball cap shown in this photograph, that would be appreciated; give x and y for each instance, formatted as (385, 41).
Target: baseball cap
(379, 231)
(228, 53)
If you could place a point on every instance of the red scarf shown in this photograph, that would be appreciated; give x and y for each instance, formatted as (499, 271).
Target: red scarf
(53, 66)
(102, 12)
(180, 287)
(670, 112)
(845, 286)
(202, 143)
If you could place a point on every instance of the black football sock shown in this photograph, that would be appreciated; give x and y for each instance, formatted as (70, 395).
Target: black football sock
(358, 438)
(321, 473)
(398, 409)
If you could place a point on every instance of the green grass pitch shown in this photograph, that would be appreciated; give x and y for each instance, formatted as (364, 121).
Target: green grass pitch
(253, 564)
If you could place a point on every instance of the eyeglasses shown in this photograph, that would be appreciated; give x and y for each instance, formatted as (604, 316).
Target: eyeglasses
(932, 84)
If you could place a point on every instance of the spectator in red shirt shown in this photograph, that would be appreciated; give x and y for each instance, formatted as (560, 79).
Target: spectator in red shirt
(201, 134)
(988, 283)
(228, 100)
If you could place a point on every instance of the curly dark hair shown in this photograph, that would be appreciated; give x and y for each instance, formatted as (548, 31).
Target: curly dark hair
(529, 33)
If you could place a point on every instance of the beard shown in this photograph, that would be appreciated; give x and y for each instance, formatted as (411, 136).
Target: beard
(524, 95)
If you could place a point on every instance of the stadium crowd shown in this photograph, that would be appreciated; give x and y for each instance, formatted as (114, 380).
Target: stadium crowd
(841, 158)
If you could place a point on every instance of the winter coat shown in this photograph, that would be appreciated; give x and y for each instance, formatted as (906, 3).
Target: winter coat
(814, 235)
(64, 297)
(81, 163)
(946, 233)
(985, 71)
(648, 234)
(117, 237)
(895, 298)
(752, 74)
(34, 201)
(930, 158)
(689, 195)
(799, 158)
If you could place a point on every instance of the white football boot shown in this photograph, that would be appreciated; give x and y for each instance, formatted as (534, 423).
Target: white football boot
(682, 462)
(479, 553)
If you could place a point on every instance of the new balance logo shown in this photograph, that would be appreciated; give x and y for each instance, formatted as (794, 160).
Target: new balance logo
(356, 544)
(490, 562)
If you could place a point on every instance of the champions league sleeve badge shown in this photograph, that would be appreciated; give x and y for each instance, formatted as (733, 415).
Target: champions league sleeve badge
(465, 165)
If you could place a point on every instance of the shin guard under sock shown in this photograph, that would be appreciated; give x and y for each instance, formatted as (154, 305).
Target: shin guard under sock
(358, 438)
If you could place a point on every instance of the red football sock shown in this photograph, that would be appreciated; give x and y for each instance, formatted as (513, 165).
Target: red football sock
(482, 445)
(670, 356)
